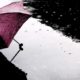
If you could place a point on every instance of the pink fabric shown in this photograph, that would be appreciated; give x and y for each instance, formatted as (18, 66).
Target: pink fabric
(10, 23)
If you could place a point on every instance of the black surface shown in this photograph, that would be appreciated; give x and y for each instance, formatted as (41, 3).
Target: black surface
(63, 13)
(8, 71)
(2, 43)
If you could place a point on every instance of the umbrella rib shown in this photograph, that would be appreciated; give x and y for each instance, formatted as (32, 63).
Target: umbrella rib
(15, 55)
(16, 41)
(20, 49)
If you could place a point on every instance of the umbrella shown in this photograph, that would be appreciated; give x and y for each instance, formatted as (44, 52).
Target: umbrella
(10, 23)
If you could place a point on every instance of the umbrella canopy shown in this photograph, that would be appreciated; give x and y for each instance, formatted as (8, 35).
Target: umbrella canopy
(10, 23)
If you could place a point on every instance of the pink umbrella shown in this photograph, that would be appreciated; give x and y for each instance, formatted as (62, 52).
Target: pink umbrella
(10, 22)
